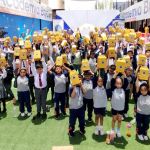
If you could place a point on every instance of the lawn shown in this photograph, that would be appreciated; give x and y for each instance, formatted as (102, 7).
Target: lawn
(17, 134)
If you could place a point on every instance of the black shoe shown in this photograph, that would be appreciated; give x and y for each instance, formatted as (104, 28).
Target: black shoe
(57, 116)
(33, 101)
(82, 132)
(4, 110)
(71, 134)
(89, 120)
(44, 116)
(64, 114)
(37, 116)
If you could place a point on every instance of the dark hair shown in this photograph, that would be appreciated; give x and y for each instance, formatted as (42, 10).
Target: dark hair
(39, 66)
(113, 67)
(144, 85)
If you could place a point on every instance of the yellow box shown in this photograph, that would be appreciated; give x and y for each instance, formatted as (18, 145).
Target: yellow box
(74, 48)
(126, 36)
(40, 38)
(77, 35)
(111, 29)
(104, 37)
(111, 52)
(138, 34)
(85, 65)
(146, 29)
(23, 54)
(144, 73)
(141, 41)
(147, 46)
(132, 37)
(74, 78)
(120, 65)
(2, 62)
(21, 42)
(16, 51)
(15, 39)
(64, 57)
(27, 44)
(37, 55)
(98, 40)
(64, 43)
(142, 60)
(128, 61)
(59, 61)
(119, 36)
(101, 61)
(112, 41)
(86, 40)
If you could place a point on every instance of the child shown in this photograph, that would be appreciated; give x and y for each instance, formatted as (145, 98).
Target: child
(76, 109)
(128, 90)
(100, 103)
(40, 83)
(23, 92)
(118, 100)
(3, 75)
(60, 81)
(88, 96)
(142, 110)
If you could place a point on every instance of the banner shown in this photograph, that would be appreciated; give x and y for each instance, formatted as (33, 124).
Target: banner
(139, 11)
(58, 25)
(27, 8)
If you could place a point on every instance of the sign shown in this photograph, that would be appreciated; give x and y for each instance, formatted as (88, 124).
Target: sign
(58, 25)
(139, 11)
(26, 8)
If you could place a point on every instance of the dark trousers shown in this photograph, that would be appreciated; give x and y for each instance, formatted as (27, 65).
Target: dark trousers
(109, 93)
(8, 90)
(41, 96)
(60, 97)
(142, 123)
(24, 99)
(88, 104)
(127, 95)
(3, 101)
(31, 86)
(74, 115)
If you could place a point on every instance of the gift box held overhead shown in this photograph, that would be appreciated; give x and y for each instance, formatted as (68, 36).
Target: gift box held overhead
(85, 65)
(141, 41)
(111, 52)
(23, 54)
(147, 46)
(37, 55)
(120, 65)
(144, 73)
(21, 42)
(64, 57)
(27, 44)
(74, 78)
(128, 61)
(74, 48)
(59, 61)
(142, 60)
(2, 62)
(17, 51)
(112, 41)
(101, 61)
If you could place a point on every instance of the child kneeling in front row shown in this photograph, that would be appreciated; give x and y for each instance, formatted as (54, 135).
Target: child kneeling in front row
(100, 103)
(76, 109)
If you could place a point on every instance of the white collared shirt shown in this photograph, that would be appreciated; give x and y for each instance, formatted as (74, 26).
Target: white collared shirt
(43, 76)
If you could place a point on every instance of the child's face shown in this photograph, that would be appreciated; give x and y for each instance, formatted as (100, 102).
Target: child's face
(118, 83)
(87, 77)
(100, 82)
(128, 72)
(58, 70)
(130, 53)
(39, 70)
(17, 65)
(111, 71)
(143, 90)
(92, 55)
(23, 73)
(147, 53)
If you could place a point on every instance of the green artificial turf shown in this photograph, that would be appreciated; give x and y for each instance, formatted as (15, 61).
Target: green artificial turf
(17, 134)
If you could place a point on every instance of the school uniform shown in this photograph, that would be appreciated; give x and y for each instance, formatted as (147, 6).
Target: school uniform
(118, 97)
(23, 93)
(60, 92)
(40, 83)
(76, 110)
(100, 100)
(88, 97)
(127, 94)
(3, 74)
(143, 114)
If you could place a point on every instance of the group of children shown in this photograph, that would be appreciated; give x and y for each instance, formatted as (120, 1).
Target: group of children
(33, 79)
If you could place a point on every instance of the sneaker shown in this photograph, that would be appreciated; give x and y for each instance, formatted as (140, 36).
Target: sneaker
(57, 116)
(71, 134)
(102, 132)
(89, 120)
(82, 132)
(29, 114)
(141, 137)
(64, 114)
(37, 116)
(96, 132)
(118, 134)
(22, 114)
(44, 116)
(126, 115)
(4, 110)
(145, 138)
